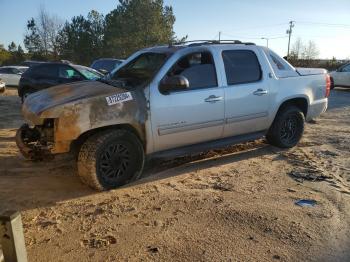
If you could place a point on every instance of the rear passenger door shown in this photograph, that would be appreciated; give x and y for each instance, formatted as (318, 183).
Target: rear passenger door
(246, 92)
(45, 76)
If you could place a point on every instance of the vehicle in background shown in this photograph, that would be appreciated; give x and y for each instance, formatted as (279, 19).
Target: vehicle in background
(106, 65)
(30, 63)
(45, 75)
(170, 101)
(12, 74)
(341, 76)
(2, 86)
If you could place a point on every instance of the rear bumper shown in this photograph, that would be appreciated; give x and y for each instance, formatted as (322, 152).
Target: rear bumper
(317, 108)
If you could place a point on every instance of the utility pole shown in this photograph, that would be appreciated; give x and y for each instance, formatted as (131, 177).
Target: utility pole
(289, 32)
(267, 41)
(219, 36)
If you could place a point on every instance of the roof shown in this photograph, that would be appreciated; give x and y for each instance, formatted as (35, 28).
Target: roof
(24, 67)
(194, 43)
(109, 59)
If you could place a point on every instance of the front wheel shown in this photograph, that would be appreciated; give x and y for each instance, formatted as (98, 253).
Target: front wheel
(287, 128)
(110, 159)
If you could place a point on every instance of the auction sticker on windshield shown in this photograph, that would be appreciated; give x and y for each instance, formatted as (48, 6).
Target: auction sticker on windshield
(118, 98)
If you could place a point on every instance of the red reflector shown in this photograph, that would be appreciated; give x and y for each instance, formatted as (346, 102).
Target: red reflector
(328, 85)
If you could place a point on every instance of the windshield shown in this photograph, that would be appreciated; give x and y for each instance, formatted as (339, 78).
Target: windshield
(22, 69)
(89, 73)
(141, 69)
(108, 65)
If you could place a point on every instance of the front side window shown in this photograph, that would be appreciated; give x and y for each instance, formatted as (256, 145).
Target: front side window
(67, 72)
(198, 68)
(241, 66)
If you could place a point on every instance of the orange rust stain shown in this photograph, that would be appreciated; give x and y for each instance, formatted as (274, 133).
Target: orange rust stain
(67, 127)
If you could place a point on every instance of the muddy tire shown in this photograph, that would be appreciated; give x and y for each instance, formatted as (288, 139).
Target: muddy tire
(110, 159)
(287, 128)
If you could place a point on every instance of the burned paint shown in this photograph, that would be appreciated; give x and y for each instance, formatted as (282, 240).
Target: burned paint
(80, 107)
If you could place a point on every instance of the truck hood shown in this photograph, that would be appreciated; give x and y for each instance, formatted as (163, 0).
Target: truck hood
(60, 95)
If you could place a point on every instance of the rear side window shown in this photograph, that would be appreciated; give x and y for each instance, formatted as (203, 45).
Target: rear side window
(278, 63)
(45, 71)
(241, 66)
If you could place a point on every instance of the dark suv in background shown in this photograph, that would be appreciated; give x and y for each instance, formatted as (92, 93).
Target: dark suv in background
(45, 75)
(106, 65)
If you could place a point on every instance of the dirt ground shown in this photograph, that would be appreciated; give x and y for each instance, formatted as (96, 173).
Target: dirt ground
(235, 204)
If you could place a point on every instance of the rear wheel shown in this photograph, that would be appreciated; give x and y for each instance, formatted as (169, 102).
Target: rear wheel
(110, 159)
(287, 128)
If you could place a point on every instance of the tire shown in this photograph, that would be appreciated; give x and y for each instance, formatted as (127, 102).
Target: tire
(110, 159)
(287, 128)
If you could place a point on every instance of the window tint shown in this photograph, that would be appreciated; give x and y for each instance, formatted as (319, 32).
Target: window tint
(241, 66)
(4, 71)
(278, 64)
(67, 72)
(46, 71)
(198, 68)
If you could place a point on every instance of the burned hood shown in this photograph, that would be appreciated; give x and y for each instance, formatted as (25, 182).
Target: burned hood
(69, 93)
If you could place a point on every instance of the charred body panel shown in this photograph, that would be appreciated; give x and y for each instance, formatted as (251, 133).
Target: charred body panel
(78, 108)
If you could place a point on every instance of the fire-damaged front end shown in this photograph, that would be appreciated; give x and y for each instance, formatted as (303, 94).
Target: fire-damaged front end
(57, 116)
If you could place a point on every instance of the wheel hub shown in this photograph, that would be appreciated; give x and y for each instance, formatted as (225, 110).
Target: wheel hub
(114, 161)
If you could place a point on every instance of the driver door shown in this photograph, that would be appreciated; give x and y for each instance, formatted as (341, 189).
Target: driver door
(193, 115)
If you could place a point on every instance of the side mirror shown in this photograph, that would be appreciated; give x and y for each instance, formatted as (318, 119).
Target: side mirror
(173, 83)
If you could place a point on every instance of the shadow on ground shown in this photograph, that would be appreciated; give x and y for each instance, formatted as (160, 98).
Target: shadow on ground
(42, 184)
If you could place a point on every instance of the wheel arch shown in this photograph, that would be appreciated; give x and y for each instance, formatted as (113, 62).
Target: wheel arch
(76, 144)
(301, 102)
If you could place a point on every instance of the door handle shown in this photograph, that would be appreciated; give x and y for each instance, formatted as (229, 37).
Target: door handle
(213, 99)
(260, 92)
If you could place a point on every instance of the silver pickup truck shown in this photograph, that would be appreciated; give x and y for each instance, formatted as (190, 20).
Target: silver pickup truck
(169, 101)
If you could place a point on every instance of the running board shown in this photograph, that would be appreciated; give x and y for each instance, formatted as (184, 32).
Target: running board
(201, 147)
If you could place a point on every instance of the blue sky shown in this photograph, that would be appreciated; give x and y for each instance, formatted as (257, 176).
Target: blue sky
(323, 21)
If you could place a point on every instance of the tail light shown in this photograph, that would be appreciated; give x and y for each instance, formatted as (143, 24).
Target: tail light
(328, 85)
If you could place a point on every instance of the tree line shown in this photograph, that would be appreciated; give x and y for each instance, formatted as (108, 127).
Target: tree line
(133, 25)
(306, 55)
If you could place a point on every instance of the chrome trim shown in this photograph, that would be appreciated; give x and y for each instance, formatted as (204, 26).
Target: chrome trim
(246, 117)
(189, 127)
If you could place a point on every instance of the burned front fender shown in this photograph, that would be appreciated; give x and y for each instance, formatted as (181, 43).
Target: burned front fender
(94, 113)
(80, 108)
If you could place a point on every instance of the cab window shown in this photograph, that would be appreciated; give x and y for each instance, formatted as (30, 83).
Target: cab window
(198, 68)
(241, 66)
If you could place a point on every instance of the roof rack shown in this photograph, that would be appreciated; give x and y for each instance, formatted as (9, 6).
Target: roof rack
(210, 42)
